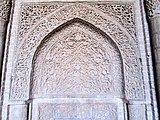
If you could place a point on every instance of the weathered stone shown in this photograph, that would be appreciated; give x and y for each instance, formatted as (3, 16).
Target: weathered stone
(153, 8)
(78, 61)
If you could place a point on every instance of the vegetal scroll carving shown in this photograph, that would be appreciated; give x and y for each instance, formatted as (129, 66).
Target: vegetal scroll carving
(153, 7)
(123, 40)
(4, 9)
(77, 60)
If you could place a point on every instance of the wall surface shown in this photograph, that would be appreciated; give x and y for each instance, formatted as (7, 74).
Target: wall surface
(153, 9)
(83, 60)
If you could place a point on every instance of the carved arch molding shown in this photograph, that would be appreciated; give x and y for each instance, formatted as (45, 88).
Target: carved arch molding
(78, 60)
(122, 39)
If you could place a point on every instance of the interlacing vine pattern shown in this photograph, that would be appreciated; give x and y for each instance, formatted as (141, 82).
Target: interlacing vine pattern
(32, 13)
(77, 61)
(123, 13)
(153, 8)
(5, 6)
(85, 14)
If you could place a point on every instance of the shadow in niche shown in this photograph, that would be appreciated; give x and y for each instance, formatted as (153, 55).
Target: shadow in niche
(63, 26)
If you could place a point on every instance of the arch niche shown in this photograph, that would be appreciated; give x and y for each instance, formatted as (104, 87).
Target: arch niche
(79, 60)
(120, 47)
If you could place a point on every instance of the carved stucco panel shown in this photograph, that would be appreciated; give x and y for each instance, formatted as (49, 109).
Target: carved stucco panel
(122, 12)
(132, 74)
(153, 8)
(5, 6)
(33, 12)
(77, 61)
(17, 112)
(137, 112)
(70, 111)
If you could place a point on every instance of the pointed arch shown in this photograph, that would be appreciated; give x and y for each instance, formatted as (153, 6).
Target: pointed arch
(21, 81)
(74, 47)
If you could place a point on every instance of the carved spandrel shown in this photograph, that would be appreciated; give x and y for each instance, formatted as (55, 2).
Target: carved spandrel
(123, 13)
(32, 13)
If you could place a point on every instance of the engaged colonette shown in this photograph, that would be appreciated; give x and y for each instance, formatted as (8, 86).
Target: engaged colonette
(5, 6)
(153, 9)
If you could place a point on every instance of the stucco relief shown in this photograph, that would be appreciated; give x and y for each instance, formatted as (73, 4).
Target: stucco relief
(137, 112)
(153, 8)
(17, 112)
(4, 9)
(77, 60)
(31, 13)
(127, 46)
(75, 111)
(122, 12)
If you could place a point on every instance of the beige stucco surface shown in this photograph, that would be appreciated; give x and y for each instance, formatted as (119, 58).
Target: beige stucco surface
(78, 60)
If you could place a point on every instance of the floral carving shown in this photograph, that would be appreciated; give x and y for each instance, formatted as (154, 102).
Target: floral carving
(153, 7)
(32, 13)
(127, 46)
(4, 9)
(123, 13)
(77, 60)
